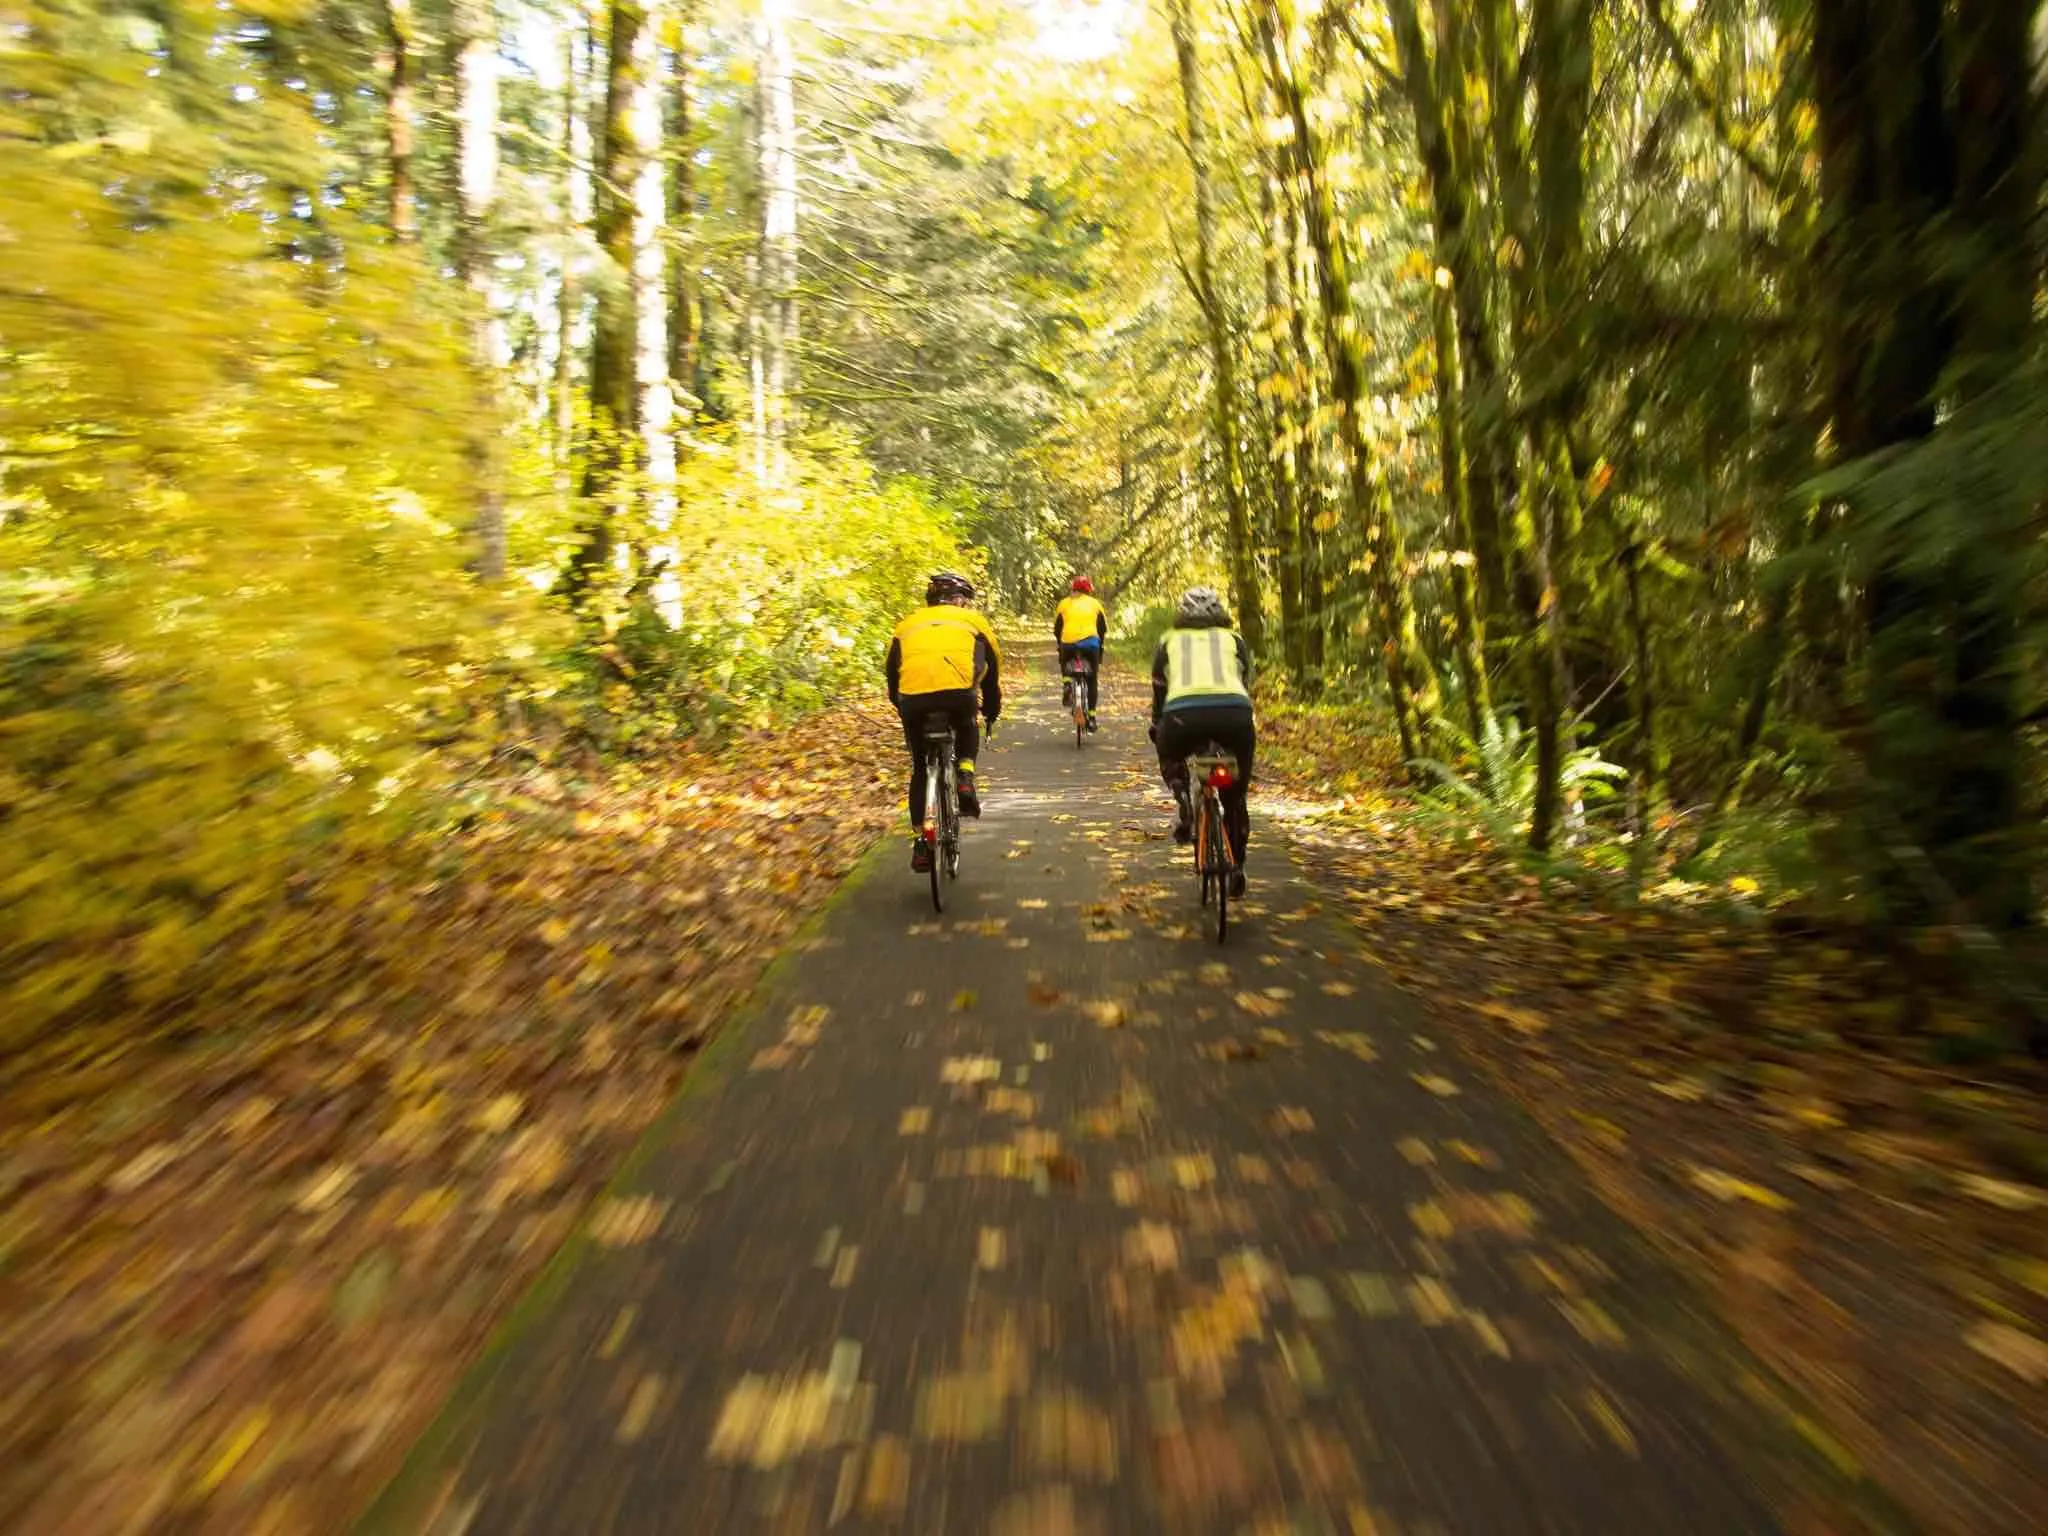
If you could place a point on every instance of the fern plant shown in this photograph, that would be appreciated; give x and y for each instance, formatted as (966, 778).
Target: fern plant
(1501, 793)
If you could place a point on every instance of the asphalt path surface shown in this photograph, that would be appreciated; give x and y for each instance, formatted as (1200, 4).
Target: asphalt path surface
(1051, 1216)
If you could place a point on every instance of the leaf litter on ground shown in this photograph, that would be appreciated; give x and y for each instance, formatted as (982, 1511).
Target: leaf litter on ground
(1690, 1064)
(320, 1187)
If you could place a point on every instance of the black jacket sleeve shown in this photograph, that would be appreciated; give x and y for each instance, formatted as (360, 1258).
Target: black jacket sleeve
(991, 682)
(1244, 659)
(1102, 627)
(1055, 625)
(892, 667)
(1158, 682)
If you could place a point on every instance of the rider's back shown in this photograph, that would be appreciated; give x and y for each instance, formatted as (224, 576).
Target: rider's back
(937, 648)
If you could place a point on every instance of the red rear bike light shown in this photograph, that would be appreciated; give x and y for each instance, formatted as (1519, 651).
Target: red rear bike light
(1219, 778)
(931, 834)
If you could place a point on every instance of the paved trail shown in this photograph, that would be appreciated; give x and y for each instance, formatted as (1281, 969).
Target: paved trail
(1051, 1217)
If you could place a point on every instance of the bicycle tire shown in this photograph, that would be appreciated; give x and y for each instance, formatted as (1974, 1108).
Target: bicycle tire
(1212, 816)
(935, 793)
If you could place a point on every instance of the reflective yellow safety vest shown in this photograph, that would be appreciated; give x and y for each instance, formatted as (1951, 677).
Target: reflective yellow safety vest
(1077, 616)
(937, 649)
(1202, 667)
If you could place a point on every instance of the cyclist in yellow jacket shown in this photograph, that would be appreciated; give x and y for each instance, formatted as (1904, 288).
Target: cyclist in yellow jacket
(1202, 693)
(940, 658)
(1080, 626)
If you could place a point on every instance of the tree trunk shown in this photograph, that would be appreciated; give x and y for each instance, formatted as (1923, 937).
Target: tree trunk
(473, 27)
(1411, 686)
(1450, 417)
(1437, 95)
(1533, 523)
(1286, 425)
(778, 233)
(1215, 319)
(1475, 555)
(684, 328)
(576, 200)
(399, 119)
(611, 461)
(653, 405)
(1910, 193)
(1307, 403)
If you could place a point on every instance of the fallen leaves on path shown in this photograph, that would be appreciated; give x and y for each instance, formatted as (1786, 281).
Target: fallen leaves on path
(1705, 1073)
(293, 1218)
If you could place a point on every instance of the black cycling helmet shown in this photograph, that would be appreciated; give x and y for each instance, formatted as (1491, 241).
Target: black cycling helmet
(948, 587)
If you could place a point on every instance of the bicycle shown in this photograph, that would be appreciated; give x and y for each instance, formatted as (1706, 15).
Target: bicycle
(941, 830)
(1074, 695)
(1215, 771)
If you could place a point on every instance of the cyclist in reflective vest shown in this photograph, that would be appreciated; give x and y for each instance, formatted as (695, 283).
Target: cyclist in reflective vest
(1201, 692)
(939, 658)
(1080, 626)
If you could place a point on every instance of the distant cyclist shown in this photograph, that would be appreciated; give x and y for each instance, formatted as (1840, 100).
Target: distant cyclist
(1080, 626)
(939, 659)
(1201, 692)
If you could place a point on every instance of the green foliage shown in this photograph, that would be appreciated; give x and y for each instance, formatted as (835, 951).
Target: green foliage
(765, 603)
(1500, 792)
(238, 645)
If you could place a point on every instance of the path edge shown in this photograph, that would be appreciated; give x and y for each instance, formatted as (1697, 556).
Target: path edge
(411, 1496)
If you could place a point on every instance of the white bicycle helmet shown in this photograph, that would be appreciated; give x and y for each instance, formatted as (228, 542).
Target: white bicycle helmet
(1201, 608)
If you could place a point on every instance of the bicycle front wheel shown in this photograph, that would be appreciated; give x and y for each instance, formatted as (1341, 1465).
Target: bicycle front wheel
(1216, 865)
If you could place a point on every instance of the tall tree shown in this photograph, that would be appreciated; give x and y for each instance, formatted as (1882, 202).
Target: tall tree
(1244, 577)
(612, 462)
(1411, 685)
(400, 126)
(1927, 164)
(778, 259)
(685, 324)
(474, 41)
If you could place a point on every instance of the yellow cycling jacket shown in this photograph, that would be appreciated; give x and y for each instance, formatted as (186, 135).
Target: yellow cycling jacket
(942, 649)
(1079, 617)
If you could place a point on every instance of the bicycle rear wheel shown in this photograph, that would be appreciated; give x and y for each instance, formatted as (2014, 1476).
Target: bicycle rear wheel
(937, 783)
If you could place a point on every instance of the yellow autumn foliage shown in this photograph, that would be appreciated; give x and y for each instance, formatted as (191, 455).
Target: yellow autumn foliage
(231, 589)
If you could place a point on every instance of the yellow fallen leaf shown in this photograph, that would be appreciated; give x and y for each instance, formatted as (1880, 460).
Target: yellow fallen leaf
(427, 1209)
(1726, 1187)
(1430, 1219)
(1152, 1244)
(970, 1069)
(236, 1446)
(989, 1248)
(885, 1490)
(2001, 1193)
(1442, 1087)
(325, 1188)
(914, 1122)
(2019, 1352)
(1108, 1015)
(500, 1114)
(1256, 1004)
(640, 1409)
